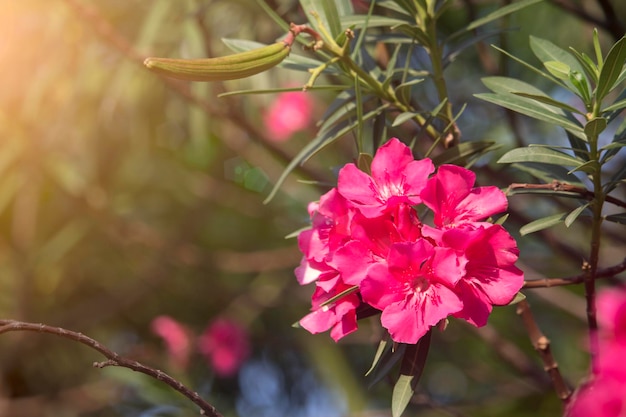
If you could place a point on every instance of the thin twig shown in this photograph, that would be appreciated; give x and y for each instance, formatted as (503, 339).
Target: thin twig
(576, 279)
(568, 188)
(114, 359)
(542, 345)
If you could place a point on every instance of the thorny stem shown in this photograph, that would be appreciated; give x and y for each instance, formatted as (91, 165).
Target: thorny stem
(114, 359)
(542, 345)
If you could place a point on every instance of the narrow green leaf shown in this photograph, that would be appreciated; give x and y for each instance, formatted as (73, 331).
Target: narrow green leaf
(579, 81)
(597, 48)
(579, 146)
(543, 223)
(617, 178)
(533, 109)
(557, 68)
(539, 154)
(589, 167)
(530, 67)
(611, 69)
(550, 101)
(595, 126)
(283, 90)
(500, 12)
(590, 67)
(617, 218)
(385, 364)
(548, 173)
(359, 21)
(401, 395)
(571, 218)
(414, 33)
(403, 117)
(382, 346)
(339, 296)
(511, 85)
(463, 151)
(321, 141)
(332, 16)
(547, 51)
(618, 105)
(273, 15)
(364, 162)
(502, 219)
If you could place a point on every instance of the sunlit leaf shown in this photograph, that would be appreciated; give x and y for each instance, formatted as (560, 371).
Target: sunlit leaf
(401, 395)
(382, 346)
(559, 69)
(542, 223)
(511, 85)
(547, 51)
(612, 68)
(358, 21)
(579, 81)
(539, 154)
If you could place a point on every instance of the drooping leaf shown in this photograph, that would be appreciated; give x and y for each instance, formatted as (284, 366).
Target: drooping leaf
(499, 84)
(382, 346)
(542, 223)
(385, 364)
(533, 109)
(401, 395)
(283, 90)
(540, 154)
(611, 69)
(530, 67)
(589, 167)
(573, 215)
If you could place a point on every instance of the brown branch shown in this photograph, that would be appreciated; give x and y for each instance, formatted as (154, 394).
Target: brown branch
(542, 345)
(114, 359)
(576, 279)
(567, 188)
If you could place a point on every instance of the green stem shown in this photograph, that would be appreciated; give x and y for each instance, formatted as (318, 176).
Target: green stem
(594, 256)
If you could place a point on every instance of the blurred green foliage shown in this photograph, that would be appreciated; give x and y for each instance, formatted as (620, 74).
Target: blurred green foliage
(124, 196)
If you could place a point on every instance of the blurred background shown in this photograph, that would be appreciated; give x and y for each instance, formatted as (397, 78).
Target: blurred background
(131, 210)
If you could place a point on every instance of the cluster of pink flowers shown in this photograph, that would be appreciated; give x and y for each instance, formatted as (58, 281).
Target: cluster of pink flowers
(605, 394)
(224, 344)
(368, 247)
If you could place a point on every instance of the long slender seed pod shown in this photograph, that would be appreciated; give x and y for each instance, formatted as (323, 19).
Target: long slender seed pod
(230, 67)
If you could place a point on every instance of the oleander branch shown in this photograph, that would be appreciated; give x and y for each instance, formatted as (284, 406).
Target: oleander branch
(576, 279)
(113, 359)
(542, 345)
(564, 187)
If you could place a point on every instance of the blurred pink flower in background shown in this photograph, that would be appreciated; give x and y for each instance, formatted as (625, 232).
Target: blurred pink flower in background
(289, 113)
(177, 338)
(605, 394)
(225, 345)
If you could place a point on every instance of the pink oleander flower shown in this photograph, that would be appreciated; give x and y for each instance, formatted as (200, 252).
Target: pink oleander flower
(225, 345)
(453, 199)
(414, 289)
(366, 236)
(397, 178)
(289, 113)
(177, 339)
(338, 316)
(605, 394)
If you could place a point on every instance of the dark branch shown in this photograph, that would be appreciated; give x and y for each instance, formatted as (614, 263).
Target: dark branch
(114, 359)
(577, 279)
